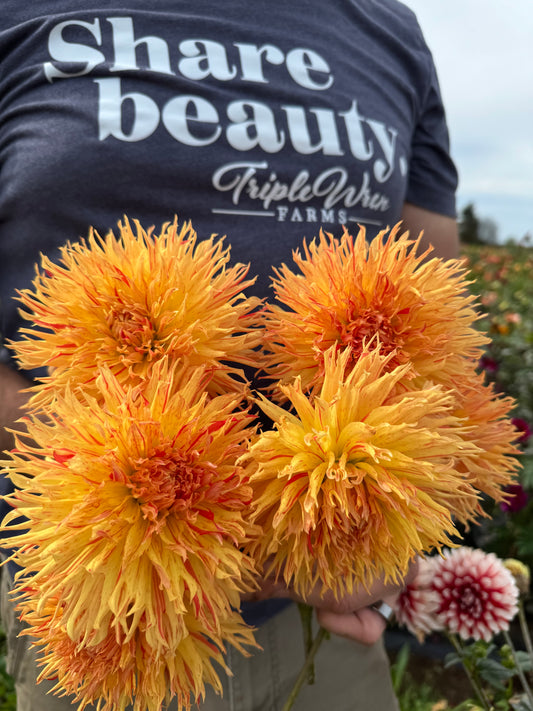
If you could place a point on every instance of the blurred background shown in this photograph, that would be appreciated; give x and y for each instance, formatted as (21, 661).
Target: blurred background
(483, 50)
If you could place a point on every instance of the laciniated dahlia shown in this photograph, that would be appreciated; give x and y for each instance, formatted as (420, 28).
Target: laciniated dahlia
(477, 594)
(132, 541)
(417, 603)
(349, 291)
(130, 300)
(112, 667)
(356, 481)
(492, 468)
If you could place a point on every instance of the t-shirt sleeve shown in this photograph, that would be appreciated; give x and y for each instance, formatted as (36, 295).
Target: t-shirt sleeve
(432, 181)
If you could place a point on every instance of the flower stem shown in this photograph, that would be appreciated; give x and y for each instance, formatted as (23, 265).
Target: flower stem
(306, 616)
(521, 675)
(525, 629)
(309, 661)
(477, 688)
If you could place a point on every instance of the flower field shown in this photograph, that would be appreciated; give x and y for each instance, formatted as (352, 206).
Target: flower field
(502, 278)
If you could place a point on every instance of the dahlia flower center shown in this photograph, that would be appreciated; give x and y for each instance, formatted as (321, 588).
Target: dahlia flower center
(164, 483)
(133, 330)
(469, 597)
(362, 325)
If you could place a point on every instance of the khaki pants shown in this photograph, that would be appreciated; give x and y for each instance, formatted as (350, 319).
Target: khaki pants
(349, 677)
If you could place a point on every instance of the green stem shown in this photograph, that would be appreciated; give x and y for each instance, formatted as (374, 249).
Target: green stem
(525, 629)
(477, 688)
(306, 615)
(519, 669)
(305, 669)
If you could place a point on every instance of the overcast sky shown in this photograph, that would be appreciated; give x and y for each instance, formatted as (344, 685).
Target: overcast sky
(483, 50)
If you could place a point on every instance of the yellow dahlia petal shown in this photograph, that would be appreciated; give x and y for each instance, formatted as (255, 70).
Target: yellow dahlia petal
(348, 291)
(136, 518)
(130, 300)
(487, 417)
(363, 481)
(109, 670)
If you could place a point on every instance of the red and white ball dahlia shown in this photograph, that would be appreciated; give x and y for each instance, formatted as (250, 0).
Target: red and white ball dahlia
(417, 604)
(477, 594)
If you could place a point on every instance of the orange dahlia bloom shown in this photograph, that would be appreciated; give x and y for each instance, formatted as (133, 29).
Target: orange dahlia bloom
(128, 301)
(359, 478)
(488, 424)
(349, 291)
(112, 667)
(135, 514)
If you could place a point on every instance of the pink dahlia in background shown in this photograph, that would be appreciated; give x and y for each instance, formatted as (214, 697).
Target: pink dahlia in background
(488, 364)
(523, 428)
(417, 604)
(517, 499)
(477, 594)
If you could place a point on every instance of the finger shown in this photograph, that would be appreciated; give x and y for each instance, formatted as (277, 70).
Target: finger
(358, 599)
(384, 609)
(365, 626)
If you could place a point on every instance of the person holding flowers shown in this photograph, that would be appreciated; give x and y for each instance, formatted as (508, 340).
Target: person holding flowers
(264, 123)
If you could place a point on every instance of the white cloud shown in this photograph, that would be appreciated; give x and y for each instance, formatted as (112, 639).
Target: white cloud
(483, 50)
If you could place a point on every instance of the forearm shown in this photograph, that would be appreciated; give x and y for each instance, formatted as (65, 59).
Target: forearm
(12, 399)
(440, 232)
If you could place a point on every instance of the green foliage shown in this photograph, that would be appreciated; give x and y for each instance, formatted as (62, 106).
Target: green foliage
(8, 701)
(411, 696)
(493, 669)
(489, 663)
(501, 278)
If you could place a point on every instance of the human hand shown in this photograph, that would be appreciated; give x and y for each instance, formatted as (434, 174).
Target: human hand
(351, 615)
(365, 625)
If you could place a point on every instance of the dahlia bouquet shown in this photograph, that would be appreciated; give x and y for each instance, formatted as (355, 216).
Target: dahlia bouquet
(128, 478)
(151, 501)
(384, 434)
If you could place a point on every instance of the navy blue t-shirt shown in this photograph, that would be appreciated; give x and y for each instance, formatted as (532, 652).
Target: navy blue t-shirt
(263, 121)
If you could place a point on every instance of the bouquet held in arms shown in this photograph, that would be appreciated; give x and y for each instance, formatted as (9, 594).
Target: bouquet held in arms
(384, 434)
(133, 501)
(151, 500)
